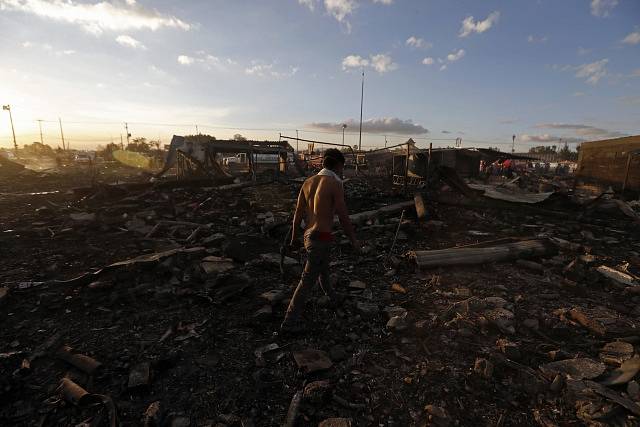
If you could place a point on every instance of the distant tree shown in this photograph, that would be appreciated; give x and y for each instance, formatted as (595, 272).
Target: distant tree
(199, 138)
(541, 149)
(565, 153)
(494, 148)
(139, 145)
(107, 151)
(238, 137)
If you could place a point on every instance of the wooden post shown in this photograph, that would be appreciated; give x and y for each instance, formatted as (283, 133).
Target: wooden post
(406, 168)
(626, 173)
(429, 161)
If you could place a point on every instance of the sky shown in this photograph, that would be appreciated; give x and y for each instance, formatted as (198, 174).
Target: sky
(435, 70)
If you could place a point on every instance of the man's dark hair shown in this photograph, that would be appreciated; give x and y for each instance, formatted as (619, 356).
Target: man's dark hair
(332, 158)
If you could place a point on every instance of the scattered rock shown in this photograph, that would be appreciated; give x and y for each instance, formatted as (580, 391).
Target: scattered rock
(312, 360)
(83, 217)
(153, 415)
(509, 349)
(397, 287)
(336, 422)
(367, 308)
(624, 373)
(483, 367)
(217, 265)
(317, 391)
(398, 323)
(357, 285)
(274, 260)
(616, 352)
(394, 310)
(140, 377)
(274, 296)
(577, 369)
(502, 319)
(338, 353)
(4, 294)
(437, 416)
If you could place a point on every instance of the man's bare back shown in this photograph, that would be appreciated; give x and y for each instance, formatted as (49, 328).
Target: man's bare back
(321, 197)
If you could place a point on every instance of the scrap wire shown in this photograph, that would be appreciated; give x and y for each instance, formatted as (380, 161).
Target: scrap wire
(395, 238)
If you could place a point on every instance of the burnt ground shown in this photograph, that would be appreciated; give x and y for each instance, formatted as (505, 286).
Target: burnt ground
(466, 347)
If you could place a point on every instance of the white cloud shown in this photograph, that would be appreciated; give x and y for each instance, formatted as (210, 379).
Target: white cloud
(469, 25)
(354, 61)
(534, 39)
(27, 44)
(427, 61)
(577, 94)
(309, 3)
(268, 70)
(185, 60)
(454, 56)
(418, 43)
(380, 62)
(387, 2)
(632, 38)
(388, 125)
(383, 63)
(128, 41)
(582, 51)
(548, 138)
(97, 17)
(582, 130)
(602, 8)
(443, 67)
(592, 72)
(340, 9)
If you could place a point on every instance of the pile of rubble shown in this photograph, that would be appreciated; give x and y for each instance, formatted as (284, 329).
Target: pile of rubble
(129, 305)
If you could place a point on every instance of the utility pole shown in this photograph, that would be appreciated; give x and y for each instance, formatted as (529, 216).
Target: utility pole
(126, 127)
(13, 131)
(61, 133)
(40, 126)
(385, 141)
(121, 143)
(361, 104)
(197, 131)
(513, 144)
(297, 141)
(344, 126)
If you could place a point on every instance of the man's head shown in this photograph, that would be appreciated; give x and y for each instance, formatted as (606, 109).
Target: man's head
(333, 159)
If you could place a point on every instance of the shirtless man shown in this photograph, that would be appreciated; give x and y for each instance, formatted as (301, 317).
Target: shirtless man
(321, 196)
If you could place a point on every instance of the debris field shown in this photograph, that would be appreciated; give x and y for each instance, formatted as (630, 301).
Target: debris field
(160, 305)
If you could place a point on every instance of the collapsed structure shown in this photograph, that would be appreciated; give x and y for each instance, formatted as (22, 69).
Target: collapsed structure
(476, 300)
(614, 161)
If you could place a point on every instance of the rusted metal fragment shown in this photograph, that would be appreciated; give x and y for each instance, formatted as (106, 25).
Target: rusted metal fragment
(85, 363)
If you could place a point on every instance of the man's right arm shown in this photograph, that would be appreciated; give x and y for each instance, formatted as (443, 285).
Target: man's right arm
(343, 216)
(297, 216)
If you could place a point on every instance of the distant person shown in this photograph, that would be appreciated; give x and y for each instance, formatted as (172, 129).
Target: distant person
(320, 197)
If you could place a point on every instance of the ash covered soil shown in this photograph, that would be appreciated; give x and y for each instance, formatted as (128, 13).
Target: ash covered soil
(191, 336)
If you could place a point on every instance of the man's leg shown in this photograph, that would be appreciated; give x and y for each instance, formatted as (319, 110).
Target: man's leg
(307, 281)
(325, 276)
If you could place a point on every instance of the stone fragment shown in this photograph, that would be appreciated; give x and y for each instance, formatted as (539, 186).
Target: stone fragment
(317, 391)
(140, 376)
(577, 369)
(357, 285)
(367, 309)
(312, 360)
(509, 349)
(502, 319)
(616, 352)
(217, 265)
(336, 422)
(338, 353)
(153, 415)
(625, 373)
(483, 367)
